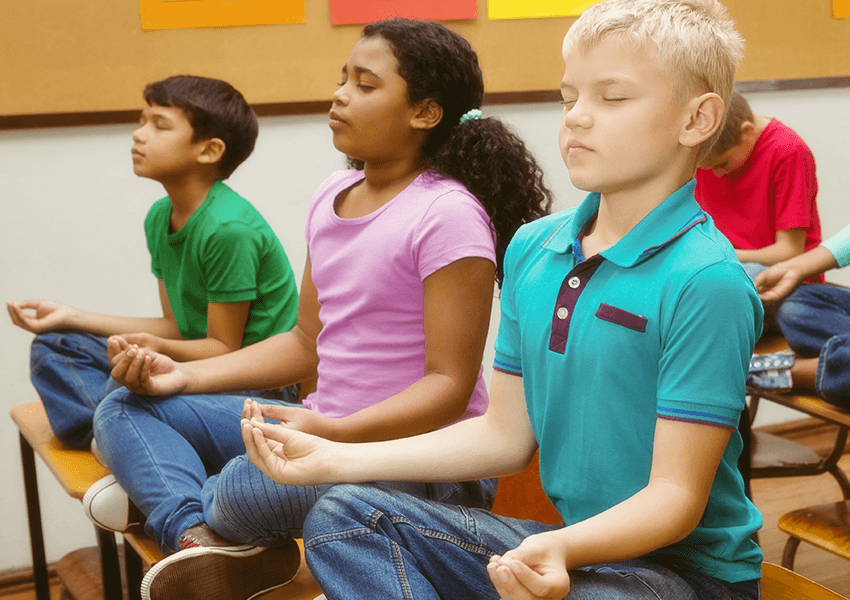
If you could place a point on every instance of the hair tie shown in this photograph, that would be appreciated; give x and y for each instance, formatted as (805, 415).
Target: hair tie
(471, 115)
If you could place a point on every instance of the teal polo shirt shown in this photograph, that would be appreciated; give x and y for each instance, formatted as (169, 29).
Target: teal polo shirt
(660, 325)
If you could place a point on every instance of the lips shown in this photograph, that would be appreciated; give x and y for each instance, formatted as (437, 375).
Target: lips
(335, 119)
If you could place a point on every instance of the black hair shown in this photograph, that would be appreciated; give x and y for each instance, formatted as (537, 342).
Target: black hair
(484, 155)
(215, 109)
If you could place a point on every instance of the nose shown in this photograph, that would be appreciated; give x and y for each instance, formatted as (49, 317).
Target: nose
(577, 115)
(340, 96)
(138, 133)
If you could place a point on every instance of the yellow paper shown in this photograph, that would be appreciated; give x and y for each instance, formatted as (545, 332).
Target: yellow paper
(536, 9)
(182, 14)
(841, 9)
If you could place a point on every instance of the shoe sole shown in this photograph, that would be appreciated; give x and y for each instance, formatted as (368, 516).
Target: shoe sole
(235, 573)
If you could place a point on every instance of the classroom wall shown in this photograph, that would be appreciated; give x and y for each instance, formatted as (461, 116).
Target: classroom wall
(71, 230)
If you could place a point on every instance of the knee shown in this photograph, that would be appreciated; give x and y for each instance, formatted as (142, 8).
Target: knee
(345, 507)
(792, 311)
(114, 405)
(833, 376)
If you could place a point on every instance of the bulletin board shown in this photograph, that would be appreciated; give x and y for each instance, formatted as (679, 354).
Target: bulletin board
(66, 57)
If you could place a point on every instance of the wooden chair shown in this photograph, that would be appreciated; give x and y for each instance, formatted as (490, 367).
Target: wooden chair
(773, 456)
(826, 526)
(521, 496)
(76, 471)
(779, 583)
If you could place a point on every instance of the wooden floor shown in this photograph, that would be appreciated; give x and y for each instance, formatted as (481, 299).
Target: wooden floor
(773, 497)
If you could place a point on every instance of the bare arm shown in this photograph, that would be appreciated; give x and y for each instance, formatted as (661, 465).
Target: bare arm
(779, 280)
(458, 300)
(789, 243)
(225, 331)
(501, 442)
(42, 316)
(277, 361)
(684, 463)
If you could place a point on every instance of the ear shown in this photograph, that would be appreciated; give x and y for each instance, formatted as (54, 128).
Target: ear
(748, 131)
(211, 151)
(704, 115)
(427, 114)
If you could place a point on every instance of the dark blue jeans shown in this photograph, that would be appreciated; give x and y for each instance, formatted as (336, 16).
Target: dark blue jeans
(815, 321)
(70, 371)
(374, 542)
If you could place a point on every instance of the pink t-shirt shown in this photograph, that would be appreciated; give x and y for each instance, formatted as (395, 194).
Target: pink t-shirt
(369, 275)
(776, 189)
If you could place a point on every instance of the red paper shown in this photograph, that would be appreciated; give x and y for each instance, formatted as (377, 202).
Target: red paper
(348, 12)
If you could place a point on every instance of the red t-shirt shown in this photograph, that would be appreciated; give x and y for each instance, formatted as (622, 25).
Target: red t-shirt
(776, 189)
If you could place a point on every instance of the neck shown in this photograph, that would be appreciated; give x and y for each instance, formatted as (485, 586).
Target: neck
(186, 196)
(620, 211)
(760, 122)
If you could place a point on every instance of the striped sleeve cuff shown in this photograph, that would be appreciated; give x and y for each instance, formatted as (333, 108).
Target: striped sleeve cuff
(717, 416)
(507, 365)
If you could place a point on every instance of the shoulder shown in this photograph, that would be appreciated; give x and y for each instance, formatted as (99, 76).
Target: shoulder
(704, 263)
(445, 197)
(161, 206)
(784, 141)
(336, 182)
(532, 236)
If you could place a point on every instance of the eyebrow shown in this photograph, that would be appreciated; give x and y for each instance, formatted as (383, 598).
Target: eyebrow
(361, 71)
(602, 82)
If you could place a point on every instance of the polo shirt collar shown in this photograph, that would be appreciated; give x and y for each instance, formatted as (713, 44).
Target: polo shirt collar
(666, 222)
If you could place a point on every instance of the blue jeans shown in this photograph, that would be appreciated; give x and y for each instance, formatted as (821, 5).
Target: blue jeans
(815, 321)
(374, 542)
(246, 506)
(70, 371)
(162, 450)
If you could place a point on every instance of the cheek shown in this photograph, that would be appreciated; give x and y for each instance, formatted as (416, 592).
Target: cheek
(563, 137)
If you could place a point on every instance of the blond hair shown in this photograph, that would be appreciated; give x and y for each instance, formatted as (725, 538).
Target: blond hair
(696, 42)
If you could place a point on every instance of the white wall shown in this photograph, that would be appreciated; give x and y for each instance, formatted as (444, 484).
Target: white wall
(71, 230)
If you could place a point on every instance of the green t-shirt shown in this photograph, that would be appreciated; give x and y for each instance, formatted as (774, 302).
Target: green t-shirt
(226, 252)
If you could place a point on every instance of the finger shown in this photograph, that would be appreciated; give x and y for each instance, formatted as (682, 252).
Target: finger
(119, 367)
(506, 583)
(274, 431)
(255, 412)
(551, 583)
(135, 365)
(275, 411)
(251, 446)
(269, 463)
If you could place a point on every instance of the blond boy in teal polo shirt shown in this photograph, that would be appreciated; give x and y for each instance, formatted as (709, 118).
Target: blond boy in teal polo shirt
(626, 329)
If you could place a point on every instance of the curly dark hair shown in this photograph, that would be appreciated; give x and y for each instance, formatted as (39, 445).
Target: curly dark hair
(484, 155)
(215, 109)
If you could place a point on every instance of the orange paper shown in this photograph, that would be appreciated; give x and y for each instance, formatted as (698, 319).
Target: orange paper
(186, 14)
(841, 9)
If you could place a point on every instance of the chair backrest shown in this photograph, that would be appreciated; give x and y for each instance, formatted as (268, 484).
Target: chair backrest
(521, 496)
(778, 583)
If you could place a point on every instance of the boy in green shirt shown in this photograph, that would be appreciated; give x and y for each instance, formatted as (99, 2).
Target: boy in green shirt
(223, 277)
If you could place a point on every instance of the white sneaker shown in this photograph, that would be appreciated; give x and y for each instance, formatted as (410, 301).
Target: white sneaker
(107, 505)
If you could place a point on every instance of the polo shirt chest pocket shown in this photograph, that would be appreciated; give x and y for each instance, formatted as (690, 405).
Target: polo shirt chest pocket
(618, 316)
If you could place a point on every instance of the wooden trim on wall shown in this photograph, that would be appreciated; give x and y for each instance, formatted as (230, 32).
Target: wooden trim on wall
(277, 109)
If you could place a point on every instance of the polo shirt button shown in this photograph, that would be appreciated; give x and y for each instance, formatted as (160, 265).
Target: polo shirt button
(563, 313)
(574, 282)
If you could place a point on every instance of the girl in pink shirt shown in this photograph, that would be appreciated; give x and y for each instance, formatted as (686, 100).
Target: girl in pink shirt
(404, 251)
